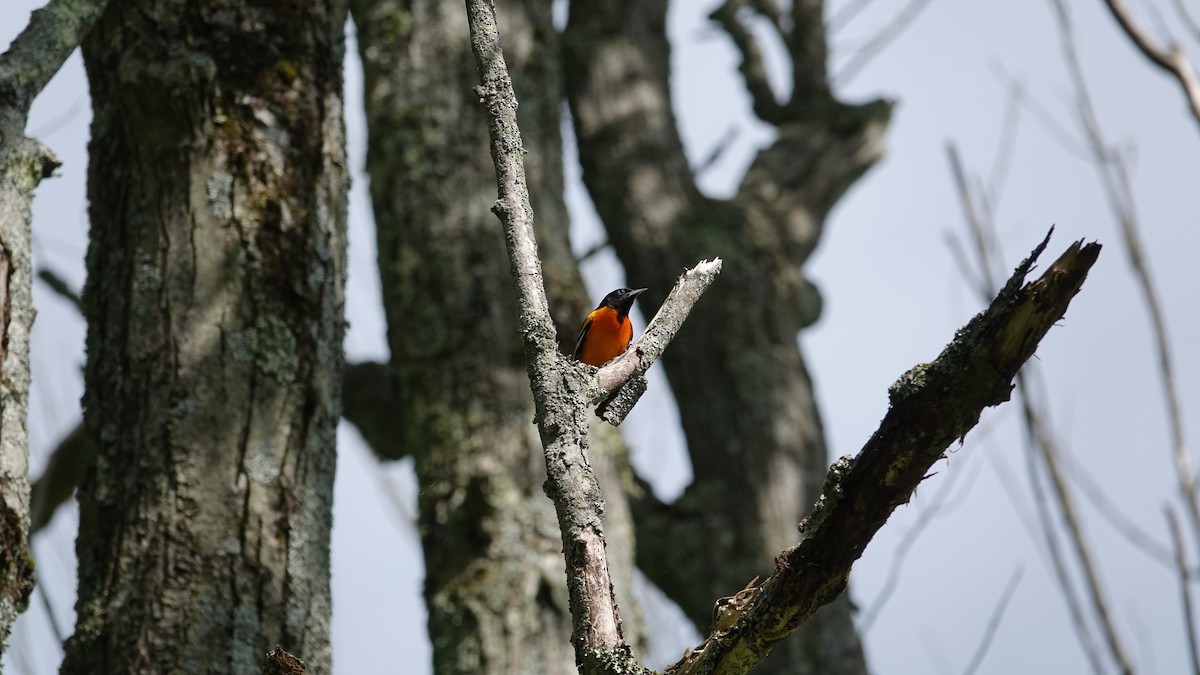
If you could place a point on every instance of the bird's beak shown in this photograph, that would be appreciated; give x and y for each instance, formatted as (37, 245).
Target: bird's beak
(636, 292)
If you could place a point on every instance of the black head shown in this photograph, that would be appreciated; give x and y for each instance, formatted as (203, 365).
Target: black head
(622, 300)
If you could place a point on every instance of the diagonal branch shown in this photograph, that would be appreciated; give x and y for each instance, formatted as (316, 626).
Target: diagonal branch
(1171, 59)
(1043, 446)
(875, 45)
(1185, 588)
(1117, 189)
(54, 31)
(932, 406)
(559, 386)
(993, 623)
(666, 323)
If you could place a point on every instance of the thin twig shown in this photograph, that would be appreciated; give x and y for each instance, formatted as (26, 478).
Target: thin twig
(1058, 564)
(1006, 145)
(1185, 588)
(1117, 189)
(924, 518)
(61, 288)
(958, 254)
(48, 607)
(1171, 59)
(846, 14)
(1188, 19)
(1039, 437)
(981, 232)
(875, 45)
(1112, 514)
(1042, 115)
(592, 251)
(717, 152)
(993, 624)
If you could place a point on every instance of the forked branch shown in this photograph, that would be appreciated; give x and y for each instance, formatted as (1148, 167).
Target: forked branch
(560, 387)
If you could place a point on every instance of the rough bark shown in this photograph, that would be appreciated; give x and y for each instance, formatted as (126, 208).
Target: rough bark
(753, 430)
(32, 59)
(932, 406)
(493, 556)
(214, 307)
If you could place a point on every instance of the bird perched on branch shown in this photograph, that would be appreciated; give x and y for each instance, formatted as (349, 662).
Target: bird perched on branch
(606, 331)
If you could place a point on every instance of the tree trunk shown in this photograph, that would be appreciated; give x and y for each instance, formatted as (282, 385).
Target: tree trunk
(214, 306)
(493, 555)
(23, 164)
(745, 397)
(26, 66)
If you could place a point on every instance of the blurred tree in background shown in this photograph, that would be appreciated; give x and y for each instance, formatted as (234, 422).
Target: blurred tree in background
(214, 299)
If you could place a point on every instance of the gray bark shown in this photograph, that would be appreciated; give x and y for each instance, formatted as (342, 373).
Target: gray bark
(35, 55)
(214, 306)
(746, 401)
(494, 582)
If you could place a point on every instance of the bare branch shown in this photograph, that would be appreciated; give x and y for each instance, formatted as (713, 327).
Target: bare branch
(61, 288)
(559, 386)
(875, 45)
(1137, 536)
(717, 152)
(1185, 588)
(1188, 19)
(59, 479)
(54, 31)
(924, 519)
(1058, 565)
(1171, 59)
(1040, 439)
(932, 406)
(370, 402)
(1006, 145)
(1115, 181)
(993, 622)
(1043, 442)
(1044, 117)
(846, 14)
(591, 252)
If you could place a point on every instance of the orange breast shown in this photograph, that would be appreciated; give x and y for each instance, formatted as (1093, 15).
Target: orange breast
(606, 338)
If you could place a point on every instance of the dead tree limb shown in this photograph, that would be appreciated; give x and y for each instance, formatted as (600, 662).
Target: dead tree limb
(1170, 59)
(932, 406)
(560, 387)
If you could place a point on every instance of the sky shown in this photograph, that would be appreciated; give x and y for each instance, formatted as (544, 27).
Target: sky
(894, 296)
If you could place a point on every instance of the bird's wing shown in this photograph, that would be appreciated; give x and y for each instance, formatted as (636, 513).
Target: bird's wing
(583, 333)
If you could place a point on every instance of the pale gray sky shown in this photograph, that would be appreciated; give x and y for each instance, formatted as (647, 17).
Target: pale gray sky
(893, 298)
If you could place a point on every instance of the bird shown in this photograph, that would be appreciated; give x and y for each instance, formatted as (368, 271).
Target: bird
(606, 331)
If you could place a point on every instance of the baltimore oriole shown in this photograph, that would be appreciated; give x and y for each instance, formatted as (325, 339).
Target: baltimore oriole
(606, 331)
